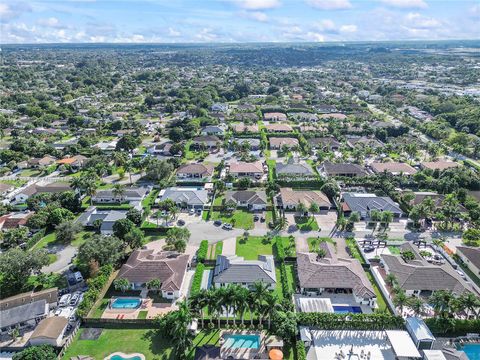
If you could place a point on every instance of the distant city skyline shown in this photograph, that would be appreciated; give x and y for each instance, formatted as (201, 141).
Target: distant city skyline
(235, 21)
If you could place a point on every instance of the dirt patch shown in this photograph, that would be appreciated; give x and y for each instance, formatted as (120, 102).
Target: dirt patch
(91, 333)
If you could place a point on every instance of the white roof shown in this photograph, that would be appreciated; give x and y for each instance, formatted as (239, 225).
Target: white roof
(433, 355)
(402, 344)
(419, 328)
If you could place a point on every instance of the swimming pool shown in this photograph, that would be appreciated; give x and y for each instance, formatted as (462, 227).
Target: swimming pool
(472, 351)
(242, 341)
(120, 357)
(343, 309)
(126, 303)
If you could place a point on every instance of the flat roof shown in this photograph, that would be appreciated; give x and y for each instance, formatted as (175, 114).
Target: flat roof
(419, 328)
(433, 355)
(402, 344)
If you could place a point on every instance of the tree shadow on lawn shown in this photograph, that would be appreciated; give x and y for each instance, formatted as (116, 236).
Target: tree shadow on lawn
(304, 223)
(159, 345)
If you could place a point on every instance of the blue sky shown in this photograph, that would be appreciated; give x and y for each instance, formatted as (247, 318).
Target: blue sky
(180, 21)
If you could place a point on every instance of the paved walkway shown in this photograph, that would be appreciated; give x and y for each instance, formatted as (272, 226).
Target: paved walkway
(64, 256)
(229, 246)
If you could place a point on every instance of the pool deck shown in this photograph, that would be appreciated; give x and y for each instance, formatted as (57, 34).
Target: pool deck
(325, 303)
(153, 309)
(125, 356)
(241, 353)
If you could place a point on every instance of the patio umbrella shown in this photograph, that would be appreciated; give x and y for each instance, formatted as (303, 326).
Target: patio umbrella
(275, 354)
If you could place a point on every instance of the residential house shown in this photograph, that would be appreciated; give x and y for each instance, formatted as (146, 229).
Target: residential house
(42, 162)
(236, 270)
(75, 162)
(439, 165)
(288, 199)
(303, 116)
(419, 277)
(218, 107)
(392, 168)
(145, 265)
(277, 143)
(38, 188)
(213, 130)
(278, 128)
(333, 116)
(26, 309)
(197, 171)
(185, 197)
(254, 170)
(247, 116)
(364, 141)
(206, 141)
(246, 107)
(5, 188)
(251, 199)
(470, 256)
(324, 143)
(93, 217)
(293, 169)
(106, 146)
(274, 116)
(342, 169)
(14, 220)
(129, 194)
(245, 128)
(253, 144)
(49, 331)
(317, 275)
(162, 149)
(363, 204)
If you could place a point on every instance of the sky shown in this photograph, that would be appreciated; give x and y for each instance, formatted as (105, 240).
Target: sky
(235, 21)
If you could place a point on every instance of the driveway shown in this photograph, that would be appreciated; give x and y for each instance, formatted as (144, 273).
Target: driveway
(64, 256)
(207, 231)
(326, 222)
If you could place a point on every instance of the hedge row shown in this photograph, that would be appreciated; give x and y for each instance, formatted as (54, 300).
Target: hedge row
(452, 327)
(283, 278)
(329, 321)
(202, 251)
(35, 238)
(280, 250)
(95, 286)
(197, 279)
(301, 352)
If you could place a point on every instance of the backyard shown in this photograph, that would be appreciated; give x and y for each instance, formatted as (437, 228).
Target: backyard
(314, 242)
(306, 223)
(144, 341)
(259, 245)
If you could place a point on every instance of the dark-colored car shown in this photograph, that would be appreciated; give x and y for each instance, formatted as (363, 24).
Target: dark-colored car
(256, 218)
(181, 222)
(217, 223)
(262, 219)
(368, 248)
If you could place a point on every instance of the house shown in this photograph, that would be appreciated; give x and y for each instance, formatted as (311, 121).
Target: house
(470, 256)
(253, 144)
(106, 146)
(438, 199)
(324, 143)
(288, 199)
(42, 162)
(205, 141)
(145, 265)
(252, 200)
(392, 168)
(279, 142)
(195, 172)
(418, 276)
(162, 149)
(26, 309)
(38, 188)
(278, 128)
(333, 116)
(14, 220)
(294, 170)
(236, 270)
(342, 169)
(246, 116)
(254, 170)
(75, 162)
(185, 197)
(129, 194)
(245, 128)
(5, 188)
(49, 331)
(364, 141)
(219, 107)
(93, 217)
(439, 165)
(246, 107)
(316, 275)
(213, 130)
(303, 116)
(274, 116)
(363, 204)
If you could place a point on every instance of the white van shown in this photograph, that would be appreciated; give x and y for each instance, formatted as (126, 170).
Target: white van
(64, 300)
(78, 276)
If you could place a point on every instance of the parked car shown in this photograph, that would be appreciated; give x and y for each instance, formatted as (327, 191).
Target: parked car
(256, 218)
(57, 312)
(262, 219)
(217, 223)
(191, 211)
(368, 248)
(64, 300)
(74, 299)
(227, 226)
(181, 222)
(78, 276)
(199, 211)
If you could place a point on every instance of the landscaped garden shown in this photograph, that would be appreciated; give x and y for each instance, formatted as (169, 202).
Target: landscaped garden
(314, 242)
(239, 218)
(306, 223)
(252, 246)
(144, 341)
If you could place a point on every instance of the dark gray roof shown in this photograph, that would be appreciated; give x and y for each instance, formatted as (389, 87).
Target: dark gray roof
(185, 195)
(471, 253)
(293, 169)
(128, 193)
(234, 269)
(363, 203)
(334, 169)
(251, 197)
(23, 313)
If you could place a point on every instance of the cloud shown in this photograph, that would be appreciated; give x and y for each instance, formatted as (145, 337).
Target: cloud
(314, 36)
(258, 4)
(174, 33)
(51, 22)
(406, 4)
(474, 11)
(255, 15)
(206, 35)
(10, 11)
(348, 28)
(330, 4)
(327, 26)
(417, 21)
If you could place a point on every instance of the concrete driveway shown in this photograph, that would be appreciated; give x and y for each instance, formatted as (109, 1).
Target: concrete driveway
(326, 222)
(207, 231)
(64, 256)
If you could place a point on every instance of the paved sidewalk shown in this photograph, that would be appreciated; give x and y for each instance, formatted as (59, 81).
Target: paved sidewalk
(229, 246)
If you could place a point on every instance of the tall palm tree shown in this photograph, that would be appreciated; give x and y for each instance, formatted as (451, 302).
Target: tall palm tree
(199, 301)
(470, 303)
(272, 305)
(118, 191)
(391, 280)
(260, 292)
(241, 301)
(128, 167)
(211, 303)
(442, 301)
(229, 301)
(417, 305)
(219, 298)
(400, 300)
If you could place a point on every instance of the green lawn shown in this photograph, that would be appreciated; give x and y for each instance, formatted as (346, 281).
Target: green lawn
(16, 183)
(239, 218)
(29, 172)
(306, 223)
(271, 169)
(382, 305)
(257, 245)
(318, 240)
(395, 250)
(218, 248)
(50, 239)
(218, 200)
(205, 337)
(52, 258)
(143, 341)
(142, 314)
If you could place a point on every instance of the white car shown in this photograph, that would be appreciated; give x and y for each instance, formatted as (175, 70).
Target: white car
(64, 300)
(191, 211)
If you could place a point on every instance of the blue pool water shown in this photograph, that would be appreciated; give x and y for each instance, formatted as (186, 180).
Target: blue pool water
(126, 303)
(343, 309)
(472, 351)
(118, 357)
(242, 341)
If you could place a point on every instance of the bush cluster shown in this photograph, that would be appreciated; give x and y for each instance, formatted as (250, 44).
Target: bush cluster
(197, 279)
(329, 321)
(95, 286)
(202, 251)
(301, 353)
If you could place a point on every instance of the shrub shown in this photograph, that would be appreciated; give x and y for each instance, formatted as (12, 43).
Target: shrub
(284, 281)
(197, 279)
(202, 251)
(95, 286)
(327, 321)
(280, 250)
(301, 353)
(452, 327)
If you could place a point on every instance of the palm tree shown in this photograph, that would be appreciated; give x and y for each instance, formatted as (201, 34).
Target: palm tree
(442, 301)
(211, 303)
(272, 304)
(219, 297)
(301, 208)
(417, 305)
(118, 191)
(182, 338)
(400, 300)
(198, 301)
(387, 218)
(241, 301)
(470, 303)
(228, 300)
(260, 292)
(173, 212)
(128, 167)
(391, 280)
(154, 284)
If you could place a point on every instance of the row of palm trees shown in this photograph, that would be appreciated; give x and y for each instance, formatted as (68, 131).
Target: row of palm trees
(445, 303)
(221, 302)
